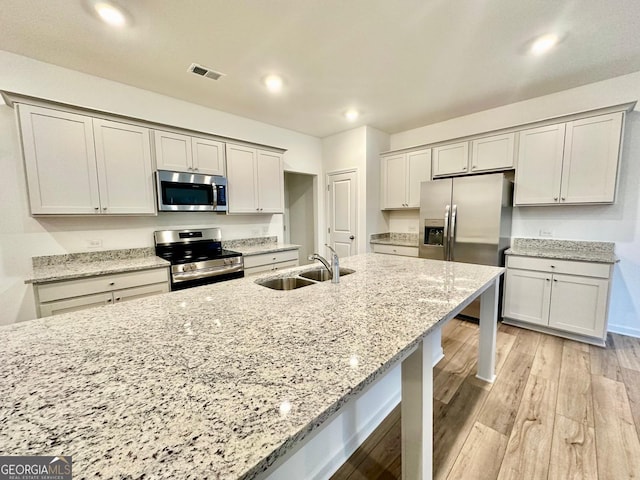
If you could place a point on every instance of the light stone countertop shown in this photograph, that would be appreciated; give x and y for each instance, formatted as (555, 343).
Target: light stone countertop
(66, 267)
(396, 239)
(247, 251)
(216, 381)
(395, 242)
(598, 252)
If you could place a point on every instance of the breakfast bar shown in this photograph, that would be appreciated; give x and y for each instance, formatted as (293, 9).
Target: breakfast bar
(226, 380)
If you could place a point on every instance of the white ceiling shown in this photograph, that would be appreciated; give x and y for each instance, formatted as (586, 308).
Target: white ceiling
(403, 63)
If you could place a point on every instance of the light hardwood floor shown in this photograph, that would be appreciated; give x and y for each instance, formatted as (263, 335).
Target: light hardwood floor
(558, 410)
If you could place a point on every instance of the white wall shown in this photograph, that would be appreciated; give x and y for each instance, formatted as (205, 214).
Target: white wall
(344, 151)
(22, 236)
(618, 223)
(377, 220)
(300, 211)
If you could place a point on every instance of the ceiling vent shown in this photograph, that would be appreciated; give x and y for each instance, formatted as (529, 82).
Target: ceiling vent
(205, 71)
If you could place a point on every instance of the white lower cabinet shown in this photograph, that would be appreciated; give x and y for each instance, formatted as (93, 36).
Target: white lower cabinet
(269, 262)
(395, 250)
(562, 297)
(79, 294)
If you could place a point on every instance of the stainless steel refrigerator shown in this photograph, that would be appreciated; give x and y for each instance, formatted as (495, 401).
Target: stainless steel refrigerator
(466, 219)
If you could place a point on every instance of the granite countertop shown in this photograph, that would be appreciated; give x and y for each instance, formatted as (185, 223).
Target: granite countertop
(598, 252)
(397, 239)
(216, 381)
(247, 251)
(52, 268)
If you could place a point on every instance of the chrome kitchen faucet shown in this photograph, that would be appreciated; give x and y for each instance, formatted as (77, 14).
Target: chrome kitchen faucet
(333, 268)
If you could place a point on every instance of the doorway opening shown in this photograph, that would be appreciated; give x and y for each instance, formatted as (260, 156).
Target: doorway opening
(300, 212)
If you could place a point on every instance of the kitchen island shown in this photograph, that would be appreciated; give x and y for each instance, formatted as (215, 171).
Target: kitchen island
(223, 380)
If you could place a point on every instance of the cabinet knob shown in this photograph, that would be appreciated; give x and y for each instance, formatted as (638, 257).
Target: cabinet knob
(96, 208)
(563, 199)
(555, 280)
(112, 283)
(548, 279)
(109, 301)
(553, 266)
(196, 169)
(104, 209)
(555, 199)
(117, 299)
(473, 167)
(464, 168)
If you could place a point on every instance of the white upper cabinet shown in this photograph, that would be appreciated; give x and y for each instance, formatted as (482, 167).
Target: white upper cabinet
(591, 152)
(79, 165)
(270, 175)
(184, 153)
(569, 163)
(451, 159)
(401, 176)
(493, 153)
(255, 180)
(59, 155)
(125, 176)
(539, 169)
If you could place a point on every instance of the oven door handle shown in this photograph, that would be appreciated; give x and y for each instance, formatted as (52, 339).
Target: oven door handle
(209, 272)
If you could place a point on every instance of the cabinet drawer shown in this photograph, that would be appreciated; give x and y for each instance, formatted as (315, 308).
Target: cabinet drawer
(74, 304)
(396, 250)
(271, 267)
(103, 283)
(568, 267)
(270, 258)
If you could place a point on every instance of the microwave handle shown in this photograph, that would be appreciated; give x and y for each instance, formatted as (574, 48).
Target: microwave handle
(215, 196)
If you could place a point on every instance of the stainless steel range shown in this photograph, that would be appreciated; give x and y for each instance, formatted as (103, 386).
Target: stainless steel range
(197, 257)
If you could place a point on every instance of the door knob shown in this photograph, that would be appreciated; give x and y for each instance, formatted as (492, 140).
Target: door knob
(351, 237)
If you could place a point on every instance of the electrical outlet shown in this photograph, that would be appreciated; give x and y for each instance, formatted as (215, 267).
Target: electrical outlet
(95, 243)
(545, 232)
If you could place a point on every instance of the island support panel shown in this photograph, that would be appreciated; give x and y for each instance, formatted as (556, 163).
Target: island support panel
(417, 388)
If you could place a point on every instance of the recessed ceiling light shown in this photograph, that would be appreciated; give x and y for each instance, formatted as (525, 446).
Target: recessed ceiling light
(543, 44)
(110, 14)
(351, 114)
(273, 83)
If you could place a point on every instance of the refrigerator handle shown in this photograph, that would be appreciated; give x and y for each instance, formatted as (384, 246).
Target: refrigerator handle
(445, 236)
(454, 214)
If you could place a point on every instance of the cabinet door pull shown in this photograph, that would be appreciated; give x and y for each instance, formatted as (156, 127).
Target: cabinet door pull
(548, 279)
(112, 284)
(563, 199)
(555, 199)
(553, 266)
(555, 280)
(96, 208)
(109, 301)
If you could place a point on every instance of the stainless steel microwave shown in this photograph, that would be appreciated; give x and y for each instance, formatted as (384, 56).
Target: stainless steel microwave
(191, 192)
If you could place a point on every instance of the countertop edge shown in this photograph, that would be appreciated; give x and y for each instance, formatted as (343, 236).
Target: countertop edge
(109, 271)
(262, 249)
(396, 243)
(566, 255)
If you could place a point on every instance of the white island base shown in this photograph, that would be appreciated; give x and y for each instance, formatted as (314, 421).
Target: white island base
(329, 446)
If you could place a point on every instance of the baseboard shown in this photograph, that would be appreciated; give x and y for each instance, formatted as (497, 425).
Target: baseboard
(623, 330)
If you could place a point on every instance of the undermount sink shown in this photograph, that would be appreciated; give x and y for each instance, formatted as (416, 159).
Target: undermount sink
(285, 283)
(322, 274)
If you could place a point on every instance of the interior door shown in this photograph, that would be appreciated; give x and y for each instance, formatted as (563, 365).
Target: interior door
(343, 219)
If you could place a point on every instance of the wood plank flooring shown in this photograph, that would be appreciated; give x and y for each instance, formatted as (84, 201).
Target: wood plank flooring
(557, 410)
